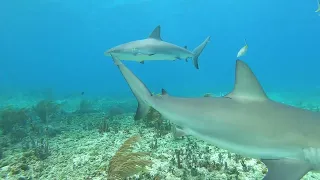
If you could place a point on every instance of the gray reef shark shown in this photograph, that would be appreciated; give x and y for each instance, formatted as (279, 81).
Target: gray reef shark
(154, 48)
(245, 122)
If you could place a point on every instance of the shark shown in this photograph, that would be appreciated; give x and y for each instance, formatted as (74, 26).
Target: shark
(245, 121)
(154, 48)
(318, 10)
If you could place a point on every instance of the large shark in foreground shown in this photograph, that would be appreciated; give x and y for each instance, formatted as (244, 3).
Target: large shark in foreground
(245, 121)
(154, 48)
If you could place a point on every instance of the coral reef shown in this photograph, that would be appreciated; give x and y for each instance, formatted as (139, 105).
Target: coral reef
(101, 142)
(126, 163)
(10, 118)
(45, 108)
(155, 120)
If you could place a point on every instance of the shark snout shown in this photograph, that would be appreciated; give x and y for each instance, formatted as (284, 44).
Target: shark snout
(113, 50)
(109, 51)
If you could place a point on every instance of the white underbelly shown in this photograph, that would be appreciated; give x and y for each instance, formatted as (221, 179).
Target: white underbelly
(142, 57)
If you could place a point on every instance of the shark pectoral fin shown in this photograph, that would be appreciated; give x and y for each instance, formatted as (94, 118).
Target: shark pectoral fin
(177, 132)
(285, 169)
(140, 91)
(156, 33)
(247, 86)
(141, 62)
(142, 110)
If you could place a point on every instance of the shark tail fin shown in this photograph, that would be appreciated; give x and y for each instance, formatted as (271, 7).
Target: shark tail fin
(198, 50)
(140, 91)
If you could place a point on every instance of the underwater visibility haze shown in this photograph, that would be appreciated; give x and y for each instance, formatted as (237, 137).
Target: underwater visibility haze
(145, 89)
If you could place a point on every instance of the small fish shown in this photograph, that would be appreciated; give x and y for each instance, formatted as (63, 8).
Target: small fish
(243, 50)
(318, 10)
(82, 93)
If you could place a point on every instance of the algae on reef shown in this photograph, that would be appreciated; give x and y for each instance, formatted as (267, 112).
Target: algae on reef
(126, 163)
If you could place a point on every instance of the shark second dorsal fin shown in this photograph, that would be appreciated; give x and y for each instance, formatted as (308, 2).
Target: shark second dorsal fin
(164, 92)
(156, 33)
(246, 86)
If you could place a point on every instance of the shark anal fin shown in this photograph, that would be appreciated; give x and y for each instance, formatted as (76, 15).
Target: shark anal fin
(247, 86)
(285, 169)
(141, 62)
(156, 33)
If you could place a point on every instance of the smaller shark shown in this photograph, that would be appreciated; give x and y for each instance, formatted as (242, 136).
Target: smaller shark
(154, 48)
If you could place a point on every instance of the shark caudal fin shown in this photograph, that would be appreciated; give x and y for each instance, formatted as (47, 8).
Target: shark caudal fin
(137, 87)
(198, 50)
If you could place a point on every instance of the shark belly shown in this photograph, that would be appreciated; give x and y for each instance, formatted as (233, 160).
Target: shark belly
(245, 149)
(145, 57)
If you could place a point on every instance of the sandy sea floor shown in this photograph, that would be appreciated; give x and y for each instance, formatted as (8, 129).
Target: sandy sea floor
(81, 151)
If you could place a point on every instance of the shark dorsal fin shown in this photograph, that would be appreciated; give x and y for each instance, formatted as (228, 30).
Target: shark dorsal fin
(156, 33)
(164, 92)
(246, 86)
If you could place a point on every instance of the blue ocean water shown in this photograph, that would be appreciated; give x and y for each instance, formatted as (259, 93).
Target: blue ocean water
(54, 50)
(60, 44)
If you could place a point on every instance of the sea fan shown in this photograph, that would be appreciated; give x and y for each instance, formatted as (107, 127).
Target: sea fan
(126, 163)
